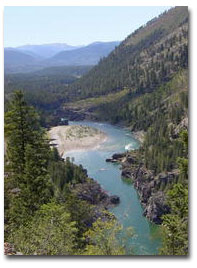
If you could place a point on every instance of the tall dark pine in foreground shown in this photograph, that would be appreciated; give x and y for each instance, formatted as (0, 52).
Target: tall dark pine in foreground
(142, 84)
(43, 213)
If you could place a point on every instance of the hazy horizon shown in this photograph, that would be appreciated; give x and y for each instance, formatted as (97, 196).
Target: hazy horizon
(61, 43)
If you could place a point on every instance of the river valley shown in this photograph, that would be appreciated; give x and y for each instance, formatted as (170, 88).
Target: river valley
(146, 239)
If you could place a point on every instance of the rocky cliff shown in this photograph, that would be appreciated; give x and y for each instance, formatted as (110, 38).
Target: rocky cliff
(150, 188)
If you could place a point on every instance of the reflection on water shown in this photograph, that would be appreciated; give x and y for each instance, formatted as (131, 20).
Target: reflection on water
(146, 237)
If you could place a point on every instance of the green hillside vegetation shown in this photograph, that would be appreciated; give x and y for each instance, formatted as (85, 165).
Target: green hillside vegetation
(142, 84)
(146, 58)
(175, 225)
(152, 65)
(44, 89)
(98, 102)
(157, 102)
(43, 216)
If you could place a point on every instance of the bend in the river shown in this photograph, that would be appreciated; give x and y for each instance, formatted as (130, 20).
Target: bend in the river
(146, 238)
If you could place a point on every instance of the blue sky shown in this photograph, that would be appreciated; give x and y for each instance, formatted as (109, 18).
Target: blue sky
(73, 25)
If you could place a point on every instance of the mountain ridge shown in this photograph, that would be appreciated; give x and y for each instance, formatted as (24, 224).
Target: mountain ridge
(86, 55)
(139, 59)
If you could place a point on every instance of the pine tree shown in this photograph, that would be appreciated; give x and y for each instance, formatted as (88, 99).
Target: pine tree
(27, 157)
(21, 128)
(175, 224)
(38, 187)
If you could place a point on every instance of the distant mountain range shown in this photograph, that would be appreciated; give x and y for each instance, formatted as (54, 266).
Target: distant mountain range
(88, 55)
(35, 57)
(46, 50)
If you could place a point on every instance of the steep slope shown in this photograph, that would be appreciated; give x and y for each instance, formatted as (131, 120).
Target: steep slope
(88, 55)
(148, 77)
(144, 60)
(150, 69)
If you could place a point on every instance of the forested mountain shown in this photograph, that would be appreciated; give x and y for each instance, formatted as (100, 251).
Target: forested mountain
(148, 77)
(147, 74)
(44, 89)
(141, 84)
(144, 60)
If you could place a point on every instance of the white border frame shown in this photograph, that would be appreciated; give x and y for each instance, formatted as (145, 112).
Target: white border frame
(114, 262)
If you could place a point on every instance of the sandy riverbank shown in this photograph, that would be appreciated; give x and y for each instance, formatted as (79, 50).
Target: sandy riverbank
(76, 138)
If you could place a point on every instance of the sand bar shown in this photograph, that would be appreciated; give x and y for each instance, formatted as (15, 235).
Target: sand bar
(76, 138)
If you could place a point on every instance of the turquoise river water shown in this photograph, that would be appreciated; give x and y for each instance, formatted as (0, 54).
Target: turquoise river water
(146, 239)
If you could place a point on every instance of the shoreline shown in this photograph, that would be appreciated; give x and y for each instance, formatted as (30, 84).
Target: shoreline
(76, 138)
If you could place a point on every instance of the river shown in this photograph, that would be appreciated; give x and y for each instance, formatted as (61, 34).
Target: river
(146, 239)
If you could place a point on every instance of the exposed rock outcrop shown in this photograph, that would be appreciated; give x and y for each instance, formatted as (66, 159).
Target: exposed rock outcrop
(92, 192)
(176, 130)
(114, 199)
(116, 158)
(156, 207)
(150, 188)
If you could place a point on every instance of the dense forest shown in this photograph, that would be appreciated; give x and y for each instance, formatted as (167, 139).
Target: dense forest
(145, 59)
(143, 85)
(45, 89)
(43, 214)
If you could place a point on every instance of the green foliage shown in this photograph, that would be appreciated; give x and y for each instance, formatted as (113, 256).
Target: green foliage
(38, 187)
(83, 214)
(175, 224)
(144, 60)
(183, 161)
(21, 128)
(183, 166)
(178, 200)
(64, 174)
(184, 140)
(137, 72)
(103, 238)
(43, 215)
(159, 113)
(26, 162)
(45, 89)
(50, 232)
